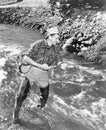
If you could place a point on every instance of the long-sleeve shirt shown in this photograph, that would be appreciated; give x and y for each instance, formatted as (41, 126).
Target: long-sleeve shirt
(42, 53)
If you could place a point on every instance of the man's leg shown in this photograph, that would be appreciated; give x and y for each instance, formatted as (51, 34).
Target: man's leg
(21, 96)
(44, 96)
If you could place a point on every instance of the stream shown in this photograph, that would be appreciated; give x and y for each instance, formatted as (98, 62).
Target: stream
(77, 99)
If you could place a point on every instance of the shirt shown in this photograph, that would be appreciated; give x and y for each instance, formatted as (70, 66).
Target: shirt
(42, 53)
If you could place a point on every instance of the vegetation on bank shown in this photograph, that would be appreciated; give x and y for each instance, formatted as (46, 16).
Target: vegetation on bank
(28, 16)
(90, 20)
(91, 23)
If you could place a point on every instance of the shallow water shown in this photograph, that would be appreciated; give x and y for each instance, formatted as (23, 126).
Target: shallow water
(77, 92)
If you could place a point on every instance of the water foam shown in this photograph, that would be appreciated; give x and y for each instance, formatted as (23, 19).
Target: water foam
(91, 115)
(7, 51)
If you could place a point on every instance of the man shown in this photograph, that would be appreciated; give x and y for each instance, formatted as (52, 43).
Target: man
(40, 57)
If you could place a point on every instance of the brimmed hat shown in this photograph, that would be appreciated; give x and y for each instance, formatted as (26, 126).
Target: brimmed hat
(53, 30)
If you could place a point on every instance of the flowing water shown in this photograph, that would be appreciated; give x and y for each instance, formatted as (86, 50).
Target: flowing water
(77, 92)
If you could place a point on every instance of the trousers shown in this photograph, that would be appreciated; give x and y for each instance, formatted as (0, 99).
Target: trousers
(23, 92)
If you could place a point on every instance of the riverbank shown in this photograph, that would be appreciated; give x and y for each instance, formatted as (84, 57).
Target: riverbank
(90, 22)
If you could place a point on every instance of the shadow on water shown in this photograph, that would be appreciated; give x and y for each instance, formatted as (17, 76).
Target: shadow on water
(32, 126)
(69, 90)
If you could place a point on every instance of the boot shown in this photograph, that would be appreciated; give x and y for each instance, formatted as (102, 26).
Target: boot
(44, 96)
(23, 92)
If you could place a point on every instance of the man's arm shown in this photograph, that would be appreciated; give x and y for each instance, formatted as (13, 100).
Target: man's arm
(28, 60)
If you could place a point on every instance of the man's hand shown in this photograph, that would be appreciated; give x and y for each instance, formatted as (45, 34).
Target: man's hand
(45, 67)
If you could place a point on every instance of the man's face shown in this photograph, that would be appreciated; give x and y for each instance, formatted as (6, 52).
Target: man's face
(55, 38)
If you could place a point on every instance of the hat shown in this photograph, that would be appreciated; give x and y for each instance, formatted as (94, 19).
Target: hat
(53, 30)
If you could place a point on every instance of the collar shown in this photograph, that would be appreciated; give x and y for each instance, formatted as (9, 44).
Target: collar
(48, 47)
